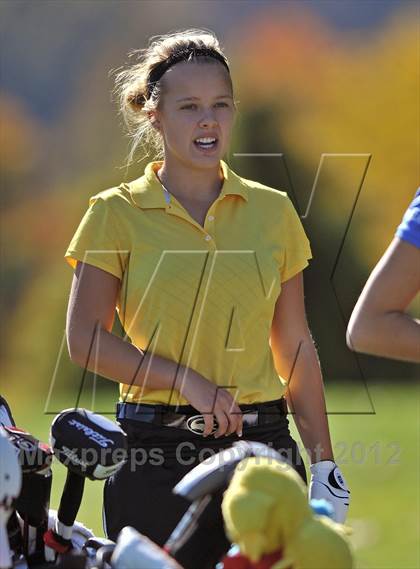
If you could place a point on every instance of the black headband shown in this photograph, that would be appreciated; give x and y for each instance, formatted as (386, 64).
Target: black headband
(182, 55)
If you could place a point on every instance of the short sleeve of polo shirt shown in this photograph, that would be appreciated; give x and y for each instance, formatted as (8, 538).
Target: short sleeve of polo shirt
(409, 228)
(96, 240)
(297, 249)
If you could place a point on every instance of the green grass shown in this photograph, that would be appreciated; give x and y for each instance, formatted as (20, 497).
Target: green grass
(378, 454)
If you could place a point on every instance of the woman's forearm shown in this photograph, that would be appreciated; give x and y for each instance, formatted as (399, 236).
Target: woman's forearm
(305, 397)
(391, 334)
(379, 324)
(118, 360)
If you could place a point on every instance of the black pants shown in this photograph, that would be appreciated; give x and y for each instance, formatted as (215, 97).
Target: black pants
(140, 494)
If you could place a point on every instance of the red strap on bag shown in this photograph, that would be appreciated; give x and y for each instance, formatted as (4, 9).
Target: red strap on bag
(56, 542)
(240, 561)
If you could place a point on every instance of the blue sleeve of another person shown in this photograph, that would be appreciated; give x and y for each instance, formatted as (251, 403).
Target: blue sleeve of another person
(409, 228)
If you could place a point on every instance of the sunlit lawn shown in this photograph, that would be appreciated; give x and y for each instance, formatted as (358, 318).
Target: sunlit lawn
(378, 452)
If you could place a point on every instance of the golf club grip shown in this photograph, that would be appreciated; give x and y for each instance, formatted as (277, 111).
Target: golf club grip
(71, 498)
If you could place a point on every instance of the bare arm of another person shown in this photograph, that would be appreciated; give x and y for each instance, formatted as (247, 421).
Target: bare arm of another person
(92, 345)
(297, 362)
(379, 324)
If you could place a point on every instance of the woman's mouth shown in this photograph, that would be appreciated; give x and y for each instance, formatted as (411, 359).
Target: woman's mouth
(206, 144)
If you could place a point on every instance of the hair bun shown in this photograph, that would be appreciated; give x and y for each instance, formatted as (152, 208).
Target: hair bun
(136, 99)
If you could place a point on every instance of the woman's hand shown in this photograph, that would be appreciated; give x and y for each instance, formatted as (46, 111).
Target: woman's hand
(327, 483)
(213, 402)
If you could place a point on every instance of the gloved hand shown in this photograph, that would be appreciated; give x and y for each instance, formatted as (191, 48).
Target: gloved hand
(328, 483)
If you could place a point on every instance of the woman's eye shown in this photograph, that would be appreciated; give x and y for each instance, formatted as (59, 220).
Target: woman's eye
(193, 105)
(188, 106)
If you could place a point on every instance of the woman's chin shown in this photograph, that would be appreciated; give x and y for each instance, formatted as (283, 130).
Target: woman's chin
(207, 161)
(194, 159)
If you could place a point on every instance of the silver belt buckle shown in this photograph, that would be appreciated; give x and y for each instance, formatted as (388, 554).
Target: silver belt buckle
(196, 424)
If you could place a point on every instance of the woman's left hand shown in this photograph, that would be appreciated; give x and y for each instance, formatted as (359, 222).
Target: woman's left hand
(328, 483)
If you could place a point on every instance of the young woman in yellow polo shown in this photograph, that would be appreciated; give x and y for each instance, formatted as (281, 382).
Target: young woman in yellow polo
(205, 270)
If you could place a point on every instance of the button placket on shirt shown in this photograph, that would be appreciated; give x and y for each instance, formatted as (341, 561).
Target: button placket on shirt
(209, 223)
(175, 208)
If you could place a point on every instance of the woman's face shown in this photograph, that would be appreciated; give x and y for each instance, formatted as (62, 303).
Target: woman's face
(197, 102)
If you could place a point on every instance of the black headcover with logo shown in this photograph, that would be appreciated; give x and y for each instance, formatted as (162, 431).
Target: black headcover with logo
(88, 444)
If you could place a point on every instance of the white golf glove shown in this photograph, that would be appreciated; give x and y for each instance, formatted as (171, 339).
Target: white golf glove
(328, 483)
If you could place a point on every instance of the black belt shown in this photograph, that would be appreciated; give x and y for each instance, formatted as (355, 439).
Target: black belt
(188, 418)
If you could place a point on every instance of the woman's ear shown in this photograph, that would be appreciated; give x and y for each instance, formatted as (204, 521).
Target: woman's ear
(154, 121)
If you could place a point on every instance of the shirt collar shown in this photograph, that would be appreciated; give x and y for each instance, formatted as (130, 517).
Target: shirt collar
(147, 191)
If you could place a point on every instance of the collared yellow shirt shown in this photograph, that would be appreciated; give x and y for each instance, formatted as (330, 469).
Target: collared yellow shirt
(201, 296)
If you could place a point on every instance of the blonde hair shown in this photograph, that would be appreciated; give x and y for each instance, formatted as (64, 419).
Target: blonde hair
(131, 84)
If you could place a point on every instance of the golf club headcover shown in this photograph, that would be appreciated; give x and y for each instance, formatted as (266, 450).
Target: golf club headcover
(34, 456)
(10, 486)
(134, 550)
(265, 511)
(88, 444)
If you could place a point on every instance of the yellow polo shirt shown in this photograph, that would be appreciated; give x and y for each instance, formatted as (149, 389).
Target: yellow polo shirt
(201, 296)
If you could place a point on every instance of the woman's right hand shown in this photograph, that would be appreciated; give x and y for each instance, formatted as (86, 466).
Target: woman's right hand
(213, 402)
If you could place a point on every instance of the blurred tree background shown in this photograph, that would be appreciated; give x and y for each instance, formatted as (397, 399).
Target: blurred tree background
(328, 97)
(335, 106)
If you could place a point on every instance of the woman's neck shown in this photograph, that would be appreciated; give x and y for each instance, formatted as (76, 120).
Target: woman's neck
(193, 185)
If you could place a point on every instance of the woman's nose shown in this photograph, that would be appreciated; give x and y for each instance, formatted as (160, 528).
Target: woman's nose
(208, 118)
